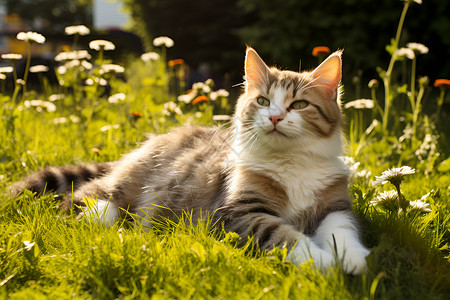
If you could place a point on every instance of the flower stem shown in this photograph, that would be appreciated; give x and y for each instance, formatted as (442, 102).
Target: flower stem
(439, 103)
(387, 76)
(27, 69)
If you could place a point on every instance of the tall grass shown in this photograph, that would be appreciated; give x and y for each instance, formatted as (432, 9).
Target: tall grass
(45, 253)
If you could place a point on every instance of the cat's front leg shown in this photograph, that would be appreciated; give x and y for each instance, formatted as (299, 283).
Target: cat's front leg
(338, 232)
(306, 249)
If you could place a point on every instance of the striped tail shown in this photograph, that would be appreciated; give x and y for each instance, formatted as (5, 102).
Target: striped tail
(61, 179)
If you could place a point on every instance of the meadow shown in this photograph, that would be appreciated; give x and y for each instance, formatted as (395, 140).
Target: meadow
(396, 148)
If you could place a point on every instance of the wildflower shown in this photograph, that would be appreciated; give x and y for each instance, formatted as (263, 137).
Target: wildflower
(386, 200)
(109, 127)
(92, 81)
(38, 69)
(360, 104)
(20, 81)
(373, 84)
(12, 56)
(224, 118)
(201, 86)
(71, 55)
(219, 93)
(28, 245)
(163, 41)
(56, 97)
(77, 29)
(40, 104)
(136, 115)
(116, 98)
(86, 65)
(394, 175)
(107, 68)
(171, 108)
(406, 52)
(418, 206)
(437, 82)
(200, 99)
(96, 151)
(61, 70)
(2, 76)
(101, 44)
(321, 50)
(74, 119)
(418, 48)
(150, 56)
(61, 120)
(187, 98)
(175, 62)
(72, 64)
(424, 81)
(4, 70)
(31, 37)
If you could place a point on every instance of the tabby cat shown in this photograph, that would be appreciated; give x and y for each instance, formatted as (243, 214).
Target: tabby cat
(275, 173)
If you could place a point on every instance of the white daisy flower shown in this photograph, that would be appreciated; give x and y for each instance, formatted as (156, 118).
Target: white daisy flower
(12, 56)
(360, 104)
(116, 98)
(31, 37)
(56, 97)
(394, 175)
(150, 56)
(419, 205)
(418, 48)
(4, 70)
(77, 29)
(39, 69)
(406, 52)
(101, 44)
(163, 41)
(71, 55)
(112, 68)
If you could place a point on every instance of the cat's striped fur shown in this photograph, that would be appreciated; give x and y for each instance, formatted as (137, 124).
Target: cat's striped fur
(274, 174)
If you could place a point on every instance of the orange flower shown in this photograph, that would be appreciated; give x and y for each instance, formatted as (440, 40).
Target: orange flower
(200, 99)
(320, 50)
(442, 83)
(65, 48)
(137, 114)
(175, 62)
(96, 150)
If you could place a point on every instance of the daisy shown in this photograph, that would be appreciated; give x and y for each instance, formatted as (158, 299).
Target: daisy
(150, 56)
(418, 48)
(419, 205)
(31, 37)
(38, 69)
(77, 29)
(360, 104)
(112, 68)
(163, 41)
(394, 175)
(116, 98)
(101, 44)
(12, 56)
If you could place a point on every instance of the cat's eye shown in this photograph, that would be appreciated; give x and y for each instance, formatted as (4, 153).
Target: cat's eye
(300, 104)
(263, 101)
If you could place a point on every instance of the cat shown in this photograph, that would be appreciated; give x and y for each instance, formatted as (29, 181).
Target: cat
(274, 174)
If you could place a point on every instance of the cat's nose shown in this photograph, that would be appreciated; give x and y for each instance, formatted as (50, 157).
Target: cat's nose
(275, 119)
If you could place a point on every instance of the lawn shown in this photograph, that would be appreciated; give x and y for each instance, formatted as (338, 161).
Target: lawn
(95, 115)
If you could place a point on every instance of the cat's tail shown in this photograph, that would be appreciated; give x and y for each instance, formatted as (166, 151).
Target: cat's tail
(61, 179)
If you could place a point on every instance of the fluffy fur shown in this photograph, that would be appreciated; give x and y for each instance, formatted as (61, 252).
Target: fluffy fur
(274, 174)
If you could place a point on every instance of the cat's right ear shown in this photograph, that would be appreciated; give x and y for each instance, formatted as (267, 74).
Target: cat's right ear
(256, 71)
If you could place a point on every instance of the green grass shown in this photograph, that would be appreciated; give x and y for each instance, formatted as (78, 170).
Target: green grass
(45, 253)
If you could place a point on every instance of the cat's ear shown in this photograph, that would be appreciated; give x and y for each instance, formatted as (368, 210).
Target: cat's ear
(256, 71)
(328, 73)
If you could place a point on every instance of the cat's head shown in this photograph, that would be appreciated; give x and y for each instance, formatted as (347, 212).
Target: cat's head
(285, 110)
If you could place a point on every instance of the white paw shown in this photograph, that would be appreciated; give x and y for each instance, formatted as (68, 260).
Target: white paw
(355, 260)
(301, 254)
(100, 211)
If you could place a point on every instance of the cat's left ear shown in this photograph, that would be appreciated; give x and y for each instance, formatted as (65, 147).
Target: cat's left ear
(328, 73)
(256, 71)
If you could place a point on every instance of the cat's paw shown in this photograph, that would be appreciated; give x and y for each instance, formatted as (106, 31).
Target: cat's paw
(354, 260)
(321, 258)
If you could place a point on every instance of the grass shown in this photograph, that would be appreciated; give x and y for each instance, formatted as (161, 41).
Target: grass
(45, 253)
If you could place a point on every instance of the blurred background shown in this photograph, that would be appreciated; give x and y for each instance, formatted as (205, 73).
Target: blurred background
(211, 35)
